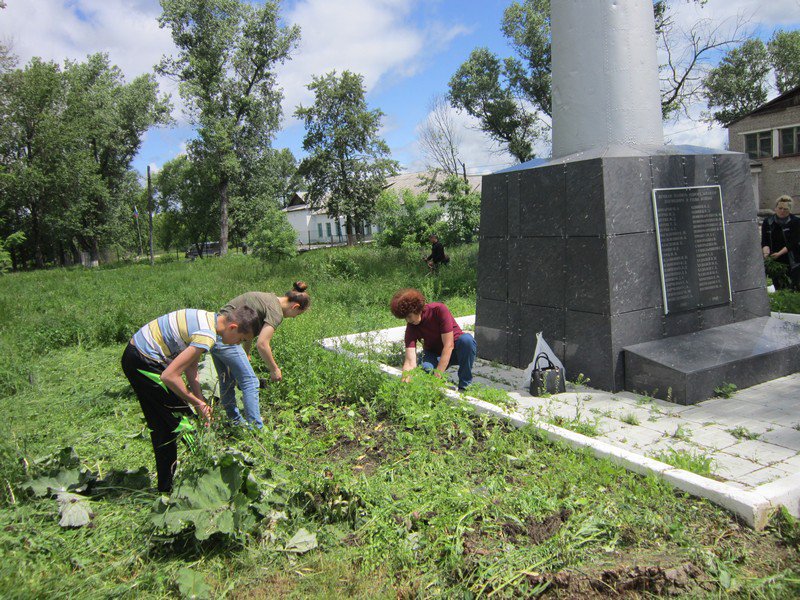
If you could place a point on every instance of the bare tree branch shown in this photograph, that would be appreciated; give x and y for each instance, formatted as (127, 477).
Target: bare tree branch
(689, 56)
(440, 139)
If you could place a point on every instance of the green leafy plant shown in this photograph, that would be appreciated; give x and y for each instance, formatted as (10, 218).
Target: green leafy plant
(215, 499)
(192, 585)
(778, 272)
(273, 238)
(742, 433)
(630, 419)
(682, 433)
(725, 390)
(491, 394)
(688, 461)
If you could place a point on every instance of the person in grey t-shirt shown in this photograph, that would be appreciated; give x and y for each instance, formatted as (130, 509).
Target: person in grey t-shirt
(233, 362)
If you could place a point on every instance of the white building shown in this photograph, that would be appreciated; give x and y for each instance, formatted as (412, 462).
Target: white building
(314, 226)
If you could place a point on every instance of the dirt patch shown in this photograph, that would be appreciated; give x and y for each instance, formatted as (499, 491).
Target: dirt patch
(535, 530)
(620, 582)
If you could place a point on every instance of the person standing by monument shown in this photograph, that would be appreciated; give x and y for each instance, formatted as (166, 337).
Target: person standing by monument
(780, 240)
(444, 344)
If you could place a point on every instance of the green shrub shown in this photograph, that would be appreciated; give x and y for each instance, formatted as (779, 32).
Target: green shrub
(273, 238)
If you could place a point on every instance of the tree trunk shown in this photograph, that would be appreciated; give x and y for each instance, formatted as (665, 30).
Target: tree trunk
(38, 255)
(94, 254)
(223, 216)
(351, 238)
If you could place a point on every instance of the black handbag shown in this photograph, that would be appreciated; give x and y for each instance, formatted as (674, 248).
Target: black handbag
(546, 380)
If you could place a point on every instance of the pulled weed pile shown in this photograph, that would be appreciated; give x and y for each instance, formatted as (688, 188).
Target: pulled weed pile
(358, 486)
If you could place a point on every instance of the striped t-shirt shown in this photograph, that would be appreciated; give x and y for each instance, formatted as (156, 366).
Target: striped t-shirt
(162, 339)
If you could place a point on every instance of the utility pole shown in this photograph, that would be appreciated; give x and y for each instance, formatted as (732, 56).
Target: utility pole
(150, 214)
(138, 229)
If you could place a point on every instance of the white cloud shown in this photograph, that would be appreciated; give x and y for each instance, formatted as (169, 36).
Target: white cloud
(375, 38)
(478, 152)
(55, 30)
(769, 14)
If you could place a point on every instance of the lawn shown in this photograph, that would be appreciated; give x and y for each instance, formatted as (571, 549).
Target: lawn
(359, 485)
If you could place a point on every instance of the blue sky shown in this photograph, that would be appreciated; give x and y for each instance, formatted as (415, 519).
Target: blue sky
(407, 50)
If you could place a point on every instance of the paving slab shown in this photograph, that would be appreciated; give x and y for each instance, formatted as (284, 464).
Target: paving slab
(749, 477)
(787, 437)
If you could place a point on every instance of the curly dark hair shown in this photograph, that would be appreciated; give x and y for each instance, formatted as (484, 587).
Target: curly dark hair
(406, 302)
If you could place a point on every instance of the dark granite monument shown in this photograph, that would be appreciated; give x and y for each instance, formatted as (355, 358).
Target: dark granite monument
(640, 264)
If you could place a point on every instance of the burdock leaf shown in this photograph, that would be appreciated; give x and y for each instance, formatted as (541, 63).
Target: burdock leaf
(75, 510)
(208, 500)
(301, 542)
(192, 585)
(65, 480)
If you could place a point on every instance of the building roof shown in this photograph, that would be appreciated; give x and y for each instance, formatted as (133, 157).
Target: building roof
(414, 182)
(782, 102)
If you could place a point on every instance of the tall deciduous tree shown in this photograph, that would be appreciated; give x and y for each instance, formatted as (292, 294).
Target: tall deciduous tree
(33, 143)
(67, 139)
(348, 161)
(186, 199)
(228, 51)
(112, 117)
(738, 84)
(784, 55)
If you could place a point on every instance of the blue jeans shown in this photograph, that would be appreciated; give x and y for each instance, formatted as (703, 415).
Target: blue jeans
(464, 353)
(233, 368)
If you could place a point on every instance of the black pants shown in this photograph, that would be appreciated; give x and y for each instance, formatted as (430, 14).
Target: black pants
(158, 405)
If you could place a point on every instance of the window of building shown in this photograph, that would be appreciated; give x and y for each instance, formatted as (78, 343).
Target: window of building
(758, 145)
(790, 141)
(319, 230)
(328, 229)
(338, 229)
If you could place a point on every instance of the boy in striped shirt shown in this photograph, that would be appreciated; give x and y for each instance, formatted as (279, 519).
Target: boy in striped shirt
(156, 360)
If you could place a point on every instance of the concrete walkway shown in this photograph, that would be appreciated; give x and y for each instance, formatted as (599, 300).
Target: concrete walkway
(747, 445)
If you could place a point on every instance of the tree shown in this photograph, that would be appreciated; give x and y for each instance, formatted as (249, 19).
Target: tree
(273, 238)
(265, 184)
(187, 201)
(112, 117)
(403, 219)
(348, 162)
(228, 52)
(462, 209)
(440, 138)
(484, 88)
(512, 97)
(739, 84)
(33, 143)
(784, 55)
(7, 59)
(67, 139)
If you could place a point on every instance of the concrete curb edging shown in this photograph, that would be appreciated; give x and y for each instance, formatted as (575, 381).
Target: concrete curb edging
(754, 507)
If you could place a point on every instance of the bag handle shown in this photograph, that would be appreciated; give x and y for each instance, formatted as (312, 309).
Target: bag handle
(550, 364)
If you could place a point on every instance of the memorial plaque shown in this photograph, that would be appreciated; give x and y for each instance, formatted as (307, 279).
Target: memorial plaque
(691, 247)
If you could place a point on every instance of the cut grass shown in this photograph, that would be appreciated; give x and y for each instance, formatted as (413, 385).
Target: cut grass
(452, 503)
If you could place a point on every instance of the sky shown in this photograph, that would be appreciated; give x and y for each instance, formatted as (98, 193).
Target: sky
(406, 50)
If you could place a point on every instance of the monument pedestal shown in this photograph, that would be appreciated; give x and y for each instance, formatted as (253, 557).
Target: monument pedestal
(571, 248)
(688, 368)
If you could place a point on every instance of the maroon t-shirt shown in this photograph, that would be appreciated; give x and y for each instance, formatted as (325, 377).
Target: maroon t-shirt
(436, 320)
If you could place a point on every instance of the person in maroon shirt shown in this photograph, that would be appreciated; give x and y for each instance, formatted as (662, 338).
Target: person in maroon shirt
(444, 343)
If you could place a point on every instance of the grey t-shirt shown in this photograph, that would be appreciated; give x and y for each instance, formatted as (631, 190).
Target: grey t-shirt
(265, 304)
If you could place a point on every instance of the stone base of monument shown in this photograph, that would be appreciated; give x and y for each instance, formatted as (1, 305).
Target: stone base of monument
(687, 369)
(605, 252)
